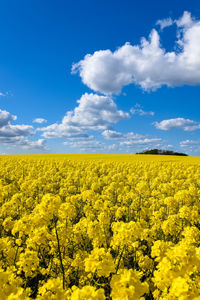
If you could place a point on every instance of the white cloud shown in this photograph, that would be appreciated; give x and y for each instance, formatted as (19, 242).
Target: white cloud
(137, 110)
(130, 140)
(111, 134)
(87, 145)
(16, 135)
(93, 112)
(185, 124)
(164, 23)
(168, 146)
(140, 142)
(39, 120)
(148, 64)
(185, 20)
(191, 146)
(85, 137)
(112, 147)
(16, 130)
(63, 130)
(23, 142)
(2, 94)
(114, 135)
(187, 143)
(8, 130)
(6, 117)
(192, 128)
(39, 144)
(91, 145)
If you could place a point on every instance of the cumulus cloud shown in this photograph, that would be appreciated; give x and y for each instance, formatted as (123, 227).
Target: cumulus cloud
(9, 130)
(148, 64)
(130, 140)
(94, 112)
(86, 145)
(24, 142)
(111, 134)
(39, 144)
(137, 110)
(91, 145)
(186, 20)
(39, 120)
(16, 135)
(112, 147)
(187, 143)
(164, 23)
(141, 142)
(185, 124)
(16, 130)
(114, 135)
(6, 117)
(191, 146)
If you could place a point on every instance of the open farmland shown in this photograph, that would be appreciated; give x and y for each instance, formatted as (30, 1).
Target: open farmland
(99, 227)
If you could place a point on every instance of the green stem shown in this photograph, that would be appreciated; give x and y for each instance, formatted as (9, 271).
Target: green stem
(15, 258)
(119, 260)
(60, 256)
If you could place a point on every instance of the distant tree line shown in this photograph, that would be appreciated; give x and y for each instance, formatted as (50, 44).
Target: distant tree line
(161, 152)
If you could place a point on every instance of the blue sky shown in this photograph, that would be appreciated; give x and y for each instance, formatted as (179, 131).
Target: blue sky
(99, 76)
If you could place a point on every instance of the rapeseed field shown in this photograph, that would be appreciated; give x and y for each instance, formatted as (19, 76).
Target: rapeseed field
(99, 227)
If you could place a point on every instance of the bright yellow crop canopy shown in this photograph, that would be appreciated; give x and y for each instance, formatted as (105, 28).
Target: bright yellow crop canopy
(97, 226)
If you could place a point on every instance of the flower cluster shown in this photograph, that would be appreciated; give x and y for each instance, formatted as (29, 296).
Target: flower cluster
(99, 227)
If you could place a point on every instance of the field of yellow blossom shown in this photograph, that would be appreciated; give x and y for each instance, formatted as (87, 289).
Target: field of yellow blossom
(83, 227)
